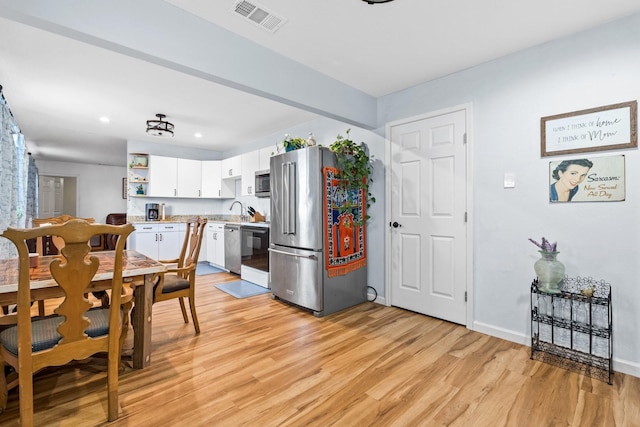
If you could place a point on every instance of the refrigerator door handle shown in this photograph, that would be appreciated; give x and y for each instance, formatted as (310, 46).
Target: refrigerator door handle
(285, 198)
(289, 199)
(292, 254)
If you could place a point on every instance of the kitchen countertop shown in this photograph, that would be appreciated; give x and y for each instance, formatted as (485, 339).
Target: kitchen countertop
(225, 219)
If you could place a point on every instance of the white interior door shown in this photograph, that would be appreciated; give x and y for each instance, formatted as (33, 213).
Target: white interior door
(428, 216)
(50, 196)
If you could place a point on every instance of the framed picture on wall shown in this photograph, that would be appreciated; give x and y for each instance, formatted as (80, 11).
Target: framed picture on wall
(124, 188)
(610, 127)
(593, 179)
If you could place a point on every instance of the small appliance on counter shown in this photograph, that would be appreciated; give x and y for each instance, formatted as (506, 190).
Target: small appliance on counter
(151, 211)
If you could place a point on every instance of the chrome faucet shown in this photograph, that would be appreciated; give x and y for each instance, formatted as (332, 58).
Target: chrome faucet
(243, 217)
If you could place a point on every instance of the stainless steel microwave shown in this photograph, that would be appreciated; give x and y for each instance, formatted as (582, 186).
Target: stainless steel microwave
(263, 185)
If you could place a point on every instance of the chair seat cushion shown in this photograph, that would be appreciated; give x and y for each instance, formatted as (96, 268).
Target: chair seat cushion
(173, 283)
(44, 333)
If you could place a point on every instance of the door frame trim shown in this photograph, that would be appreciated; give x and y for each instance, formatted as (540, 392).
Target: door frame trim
(468, 108)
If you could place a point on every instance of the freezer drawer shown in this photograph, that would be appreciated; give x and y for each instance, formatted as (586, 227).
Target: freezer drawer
(296, 276)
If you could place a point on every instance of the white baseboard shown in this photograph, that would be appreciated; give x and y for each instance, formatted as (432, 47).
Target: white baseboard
(619, 365)
(378, 300)
(505, 334)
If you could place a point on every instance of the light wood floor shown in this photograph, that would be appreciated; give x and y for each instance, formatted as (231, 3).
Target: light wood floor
(260, 362)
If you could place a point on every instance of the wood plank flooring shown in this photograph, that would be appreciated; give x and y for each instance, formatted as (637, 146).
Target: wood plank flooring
(260, 362)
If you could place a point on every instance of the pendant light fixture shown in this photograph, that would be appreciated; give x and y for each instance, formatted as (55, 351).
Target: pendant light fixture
(160, 127)
(376, 1)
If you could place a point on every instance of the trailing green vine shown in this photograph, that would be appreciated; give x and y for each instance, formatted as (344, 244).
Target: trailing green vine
(354, 165)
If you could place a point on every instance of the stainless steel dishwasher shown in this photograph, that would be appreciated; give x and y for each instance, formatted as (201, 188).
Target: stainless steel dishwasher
(232, 248)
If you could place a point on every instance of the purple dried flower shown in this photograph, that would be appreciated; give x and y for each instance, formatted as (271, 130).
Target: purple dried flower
(545, 245)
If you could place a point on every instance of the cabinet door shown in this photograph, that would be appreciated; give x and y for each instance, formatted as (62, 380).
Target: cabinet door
(170, 239)
(219, 244)
(250, 164)
(265, 158)
(211, 179)
(163, 176)
(211, 243)
(145, 240)
(232, 167)
(215, 244)
(189, 178)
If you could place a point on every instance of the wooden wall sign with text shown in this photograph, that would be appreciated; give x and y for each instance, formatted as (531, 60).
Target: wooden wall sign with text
(597, 129)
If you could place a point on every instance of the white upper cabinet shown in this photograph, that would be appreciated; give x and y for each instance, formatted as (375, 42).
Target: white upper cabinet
(250, 164)
(265, 157)
(163, 176)
(172, 177)
(189, 178)
(213, 186)
(232, 167)
(211, 178)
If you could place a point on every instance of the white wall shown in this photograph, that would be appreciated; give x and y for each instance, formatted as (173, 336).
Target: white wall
(99, 187)
(509, 96)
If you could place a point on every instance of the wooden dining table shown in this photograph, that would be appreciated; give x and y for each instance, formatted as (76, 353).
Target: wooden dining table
(137, 269)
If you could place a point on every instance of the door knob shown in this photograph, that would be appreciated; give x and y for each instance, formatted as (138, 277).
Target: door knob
(395, 224)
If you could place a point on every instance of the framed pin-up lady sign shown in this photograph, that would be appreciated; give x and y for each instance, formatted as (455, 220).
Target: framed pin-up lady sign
(593, 179)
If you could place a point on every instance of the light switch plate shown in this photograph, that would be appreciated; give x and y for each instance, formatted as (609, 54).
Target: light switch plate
(509, 180)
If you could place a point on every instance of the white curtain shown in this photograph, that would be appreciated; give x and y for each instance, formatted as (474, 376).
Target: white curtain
(14, 165)
(32, 191)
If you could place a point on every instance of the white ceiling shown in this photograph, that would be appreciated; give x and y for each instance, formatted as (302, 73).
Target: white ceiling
(58, 87)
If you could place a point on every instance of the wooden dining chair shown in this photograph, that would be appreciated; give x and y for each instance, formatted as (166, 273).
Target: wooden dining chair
(51, 245)
(115, 219)
(76, 330)
(179, 282)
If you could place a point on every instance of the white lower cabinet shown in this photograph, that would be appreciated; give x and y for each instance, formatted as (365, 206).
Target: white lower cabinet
(215, 244)
(158, 241)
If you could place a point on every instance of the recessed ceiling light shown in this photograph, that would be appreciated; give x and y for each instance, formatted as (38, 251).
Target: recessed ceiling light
(104, 119)
(197, 135)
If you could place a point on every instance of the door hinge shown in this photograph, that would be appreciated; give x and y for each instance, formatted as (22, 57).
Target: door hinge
(465, 217)
(464, 138)
(465, 296)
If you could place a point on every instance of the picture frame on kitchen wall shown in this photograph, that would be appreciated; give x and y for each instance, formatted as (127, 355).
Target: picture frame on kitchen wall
(124, 188)
(610, 127)
(592, 179)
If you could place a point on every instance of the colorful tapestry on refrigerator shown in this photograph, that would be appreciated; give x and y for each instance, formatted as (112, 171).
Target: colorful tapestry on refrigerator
(345, 231)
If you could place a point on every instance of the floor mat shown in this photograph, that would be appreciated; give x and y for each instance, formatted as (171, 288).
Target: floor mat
(242, 289)
(203, 268)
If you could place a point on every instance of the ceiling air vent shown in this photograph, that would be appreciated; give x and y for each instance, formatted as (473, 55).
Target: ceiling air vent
(259, 15)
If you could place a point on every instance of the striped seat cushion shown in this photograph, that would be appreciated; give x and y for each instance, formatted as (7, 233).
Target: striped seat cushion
(44, 331)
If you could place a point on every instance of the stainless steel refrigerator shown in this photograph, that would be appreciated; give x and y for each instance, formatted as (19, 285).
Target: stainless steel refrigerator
(297, 241)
